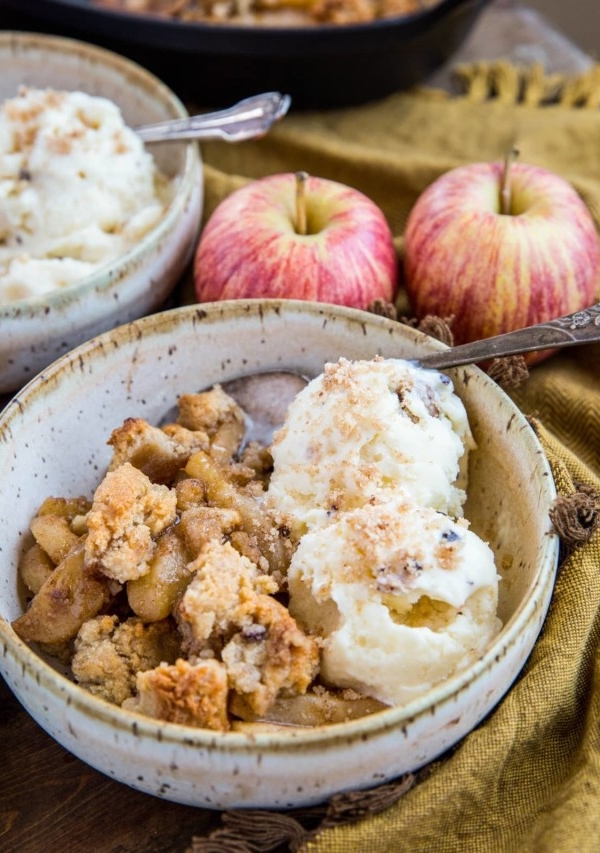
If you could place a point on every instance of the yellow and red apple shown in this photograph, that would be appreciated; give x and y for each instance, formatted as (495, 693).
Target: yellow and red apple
(294, 236)
(499, 250)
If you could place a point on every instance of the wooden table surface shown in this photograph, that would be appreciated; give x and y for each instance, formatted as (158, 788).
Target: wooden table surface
(51, 801)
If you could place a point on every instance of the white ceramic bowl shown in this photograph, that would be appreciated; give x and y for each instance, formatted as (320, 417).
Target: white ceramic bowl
(35, 332)
(53, 441)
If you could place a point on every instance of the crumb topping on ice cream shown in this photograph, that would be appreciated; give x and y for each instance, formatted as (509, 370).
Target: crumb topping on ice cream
(369, 475)
(365, 430)
(403, 596)
(77, 189)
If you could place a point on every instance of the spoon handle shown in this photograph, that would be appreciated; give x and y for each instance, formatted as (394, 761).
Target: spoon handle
(582, 327)
(247, 119)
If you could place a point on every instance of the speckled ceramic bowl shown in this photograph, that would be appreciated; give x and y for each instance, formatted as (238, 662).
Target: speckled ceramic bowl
(53, 441)
(35, 332)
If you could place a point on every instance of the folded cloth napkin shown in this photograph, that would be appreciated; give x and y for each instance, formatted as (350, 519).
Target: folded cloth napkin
(528, 778)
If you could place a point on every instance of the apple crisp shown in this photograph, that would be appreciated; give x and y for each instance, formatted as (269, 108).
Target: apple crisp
(166, 591)
(215, 582)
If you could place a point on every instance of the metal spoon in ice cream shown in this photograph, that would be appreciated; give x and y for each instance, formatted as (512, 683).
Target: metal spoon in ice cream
(266, 396)
(582, 327)
(249, 119)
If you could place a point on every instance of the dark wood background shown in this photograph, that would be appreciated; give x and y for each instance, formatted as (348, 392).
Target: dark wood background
(51, 801)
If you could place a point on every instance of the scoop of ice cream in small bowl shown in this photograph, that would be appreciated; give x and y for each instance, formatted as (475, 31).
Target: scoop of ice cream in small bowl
(95, 228)
(231, 625)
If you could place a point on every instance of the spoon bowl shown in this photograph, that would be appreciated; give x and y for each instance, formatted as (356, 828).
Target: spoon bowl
(265, 396)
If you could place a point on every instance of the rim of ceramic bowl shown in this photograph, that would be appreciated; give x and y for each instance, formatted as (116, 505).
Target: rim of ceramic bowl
(184, 185)
(362, 728)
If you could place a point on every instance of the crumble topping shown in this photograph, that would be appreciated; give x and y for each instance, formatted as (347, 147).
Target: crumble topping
(219, 585)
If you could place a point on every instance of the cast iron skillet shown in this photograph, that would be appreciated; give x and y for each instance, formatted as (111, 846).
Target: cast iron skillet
(321, 66)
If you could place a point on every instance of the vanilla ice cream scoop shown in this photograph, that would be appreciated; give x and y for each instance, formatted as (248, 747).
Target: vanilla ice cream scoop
(362, 431)
(77, 190)
(403, 597)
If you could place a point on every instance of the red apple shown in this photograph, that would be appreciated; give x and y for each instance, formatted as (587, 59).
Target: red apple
(296, 237)
(499, 247)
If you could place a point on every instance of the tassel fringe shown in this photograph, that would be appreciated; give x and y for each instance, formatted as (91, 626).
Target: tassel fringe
(255, 831)
(576, 517)
(528, 85)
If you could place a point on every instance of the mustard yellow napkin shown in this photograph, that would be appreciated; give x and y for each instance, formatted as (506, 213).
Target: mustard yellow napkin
(528, 778)
(392, 149)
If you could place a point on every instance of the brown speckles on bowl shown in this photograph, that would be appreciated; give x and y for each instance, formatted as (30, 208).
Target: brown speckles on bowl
(37, 331)
(140, 369)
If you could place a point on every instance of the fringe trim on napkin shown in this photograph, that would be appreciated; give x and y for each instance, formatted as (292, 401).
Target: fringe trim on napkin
(256, 831)
(576, 517)
(529, 85)
(252, 832)
(439, 328)
(436, 327)
(510, 371)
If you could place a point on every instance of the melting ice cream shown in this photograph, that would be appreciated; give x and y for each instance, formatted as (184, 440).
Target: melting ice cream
(369, 475)
(77, 190)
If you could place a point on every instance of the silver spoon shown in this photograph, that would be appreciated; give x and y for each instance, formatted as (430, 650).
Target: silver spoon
(248, 119)
(266, 396)
(582, 327)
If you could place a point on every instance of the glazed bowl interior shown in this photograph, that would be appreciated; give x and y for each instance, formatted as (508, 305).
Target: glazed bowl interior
(39, 329)
(53, 442)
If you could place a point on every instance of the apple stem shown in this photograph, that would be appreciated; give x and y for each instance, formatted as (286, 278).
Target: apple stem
(301, 224)
(505, 188)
